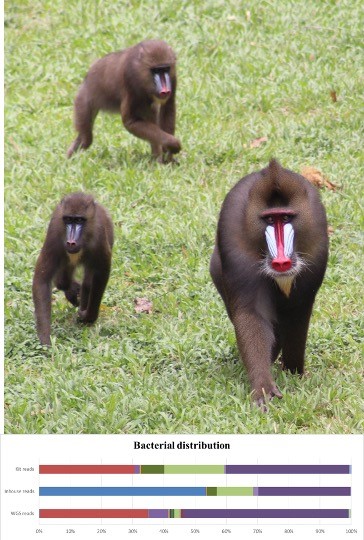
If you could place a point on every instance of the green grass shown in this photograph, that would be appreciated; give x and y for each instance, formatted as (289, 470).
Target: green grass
(246, 70)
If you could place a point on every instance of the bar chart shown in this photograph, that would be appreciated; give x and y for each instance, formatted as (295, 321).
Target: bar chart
(246, 484)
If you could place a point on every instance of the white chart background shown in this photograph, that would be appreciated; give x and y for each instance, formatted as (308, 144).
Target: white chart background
(19, 452)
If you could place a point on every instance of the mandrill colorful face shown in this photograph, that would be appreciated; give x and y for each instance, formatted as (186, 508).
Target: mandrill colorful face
(279, 235)
(282, 264)
(162, 82)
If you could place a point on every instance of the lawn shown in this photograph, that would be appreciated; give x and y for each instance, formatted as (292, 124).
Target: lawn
(291, 72)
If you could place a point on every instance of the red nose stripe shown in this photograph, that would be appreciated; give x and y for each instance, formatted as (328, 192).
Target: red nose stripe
(164, 90)
(281, 263)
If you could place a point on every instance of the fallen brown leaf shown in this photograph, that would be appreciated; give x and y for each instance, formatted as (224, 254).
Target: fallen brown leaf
(143, 305)
(333, 96)
(330, 230)
(258, 142)
(316, 178)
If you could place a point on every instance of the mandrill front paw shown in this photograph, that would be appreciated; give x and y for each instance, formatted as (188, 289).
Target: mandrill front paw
(167, 157)
(73, 294)
(84, 317)
(262, 394)
(172, 145)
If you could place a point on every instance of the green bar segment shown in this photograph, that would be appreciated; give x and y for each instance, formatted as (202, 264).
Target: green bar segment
(235, 491)
(152, 469)
(211, 491)
(193, 469)
(175, 513)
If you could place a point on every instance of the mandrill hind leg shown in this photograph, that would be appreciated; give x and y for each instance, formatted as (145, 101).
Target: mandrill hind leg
(157, 151)
(84, 120)
(295, 329)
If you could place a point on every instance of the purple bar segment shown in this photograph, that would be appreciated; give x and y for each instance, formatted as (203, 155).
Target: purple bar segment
(265, 513)
(155, 513)
(305, 491)
(287, 469)
(136, 469)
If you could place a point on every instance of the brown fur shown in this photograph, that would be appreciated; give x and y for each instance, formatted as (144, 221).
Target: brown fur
(270, 313)
(123, 82)
(56, 264)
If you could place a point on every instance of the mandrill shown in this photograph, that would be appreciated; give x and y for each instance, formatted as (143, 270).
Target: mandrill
(140, 84)
(80, 233)
(268, 264)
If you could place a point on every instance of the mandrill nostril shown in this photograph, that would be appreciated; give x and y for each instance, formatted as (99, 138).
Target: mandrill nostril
(282, 265)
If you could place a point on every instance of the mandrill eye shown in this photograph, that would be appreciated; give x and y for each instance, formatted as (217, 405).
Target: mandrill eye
(269, 220)
(160, 69)
(69, 220)
(286, 218)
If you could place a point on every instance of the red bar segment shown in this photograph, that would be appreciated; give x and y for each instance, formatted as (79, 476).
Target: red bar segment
(92, 513)
(88, 469)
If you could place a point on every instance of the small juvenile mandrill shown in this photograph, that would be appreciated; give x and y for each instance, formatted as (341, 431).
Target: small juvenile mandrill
(268, 263)
(139, 83)
(80, 233)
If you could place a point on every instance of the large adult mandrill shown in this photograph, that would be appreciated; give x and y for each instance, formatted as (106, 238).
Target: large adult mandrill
(268, 263)
(140, 84)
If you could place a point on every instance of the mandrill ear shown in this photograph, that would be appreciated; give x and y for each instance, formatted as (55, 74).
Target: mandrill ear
(91, 208)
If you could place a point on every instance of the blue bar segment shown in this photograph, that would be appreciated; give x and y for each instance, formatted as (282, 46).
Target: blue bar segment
(121, 491)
